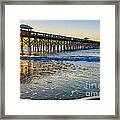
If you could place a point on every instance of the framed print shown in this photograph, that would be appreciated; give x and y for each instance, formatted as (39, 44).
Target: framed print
(59, 59)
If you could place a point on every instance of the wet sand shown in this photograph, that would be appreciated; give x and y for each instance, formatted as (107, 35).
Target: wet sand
(59, 80)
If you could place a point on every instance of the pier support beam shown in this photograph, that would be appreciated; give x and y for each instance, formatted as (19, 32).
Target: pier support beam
(29, 43)
(22, 52)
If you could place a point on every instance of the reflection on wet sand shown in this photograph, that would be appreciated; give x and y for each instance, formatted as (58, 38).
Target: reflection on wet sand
(59, 81)
(36, 68)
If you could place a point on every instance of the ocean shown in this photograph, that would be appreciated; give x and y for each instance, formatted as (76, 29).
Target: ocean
(67, 75)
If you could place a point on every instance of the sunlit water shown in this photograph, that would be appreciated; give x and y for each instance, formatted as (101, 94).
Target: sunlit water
(63, 76)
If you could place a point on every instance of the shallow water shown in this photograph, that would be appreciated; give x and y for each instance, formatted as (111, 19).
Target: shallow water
(62, 77)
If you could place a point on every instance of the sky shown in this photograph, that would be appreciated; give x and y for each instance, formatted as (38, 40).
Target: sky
(70, 28)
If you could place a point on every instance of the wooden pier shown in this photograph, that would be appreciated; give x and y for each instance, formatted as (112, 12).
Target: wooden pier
(36, 43)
